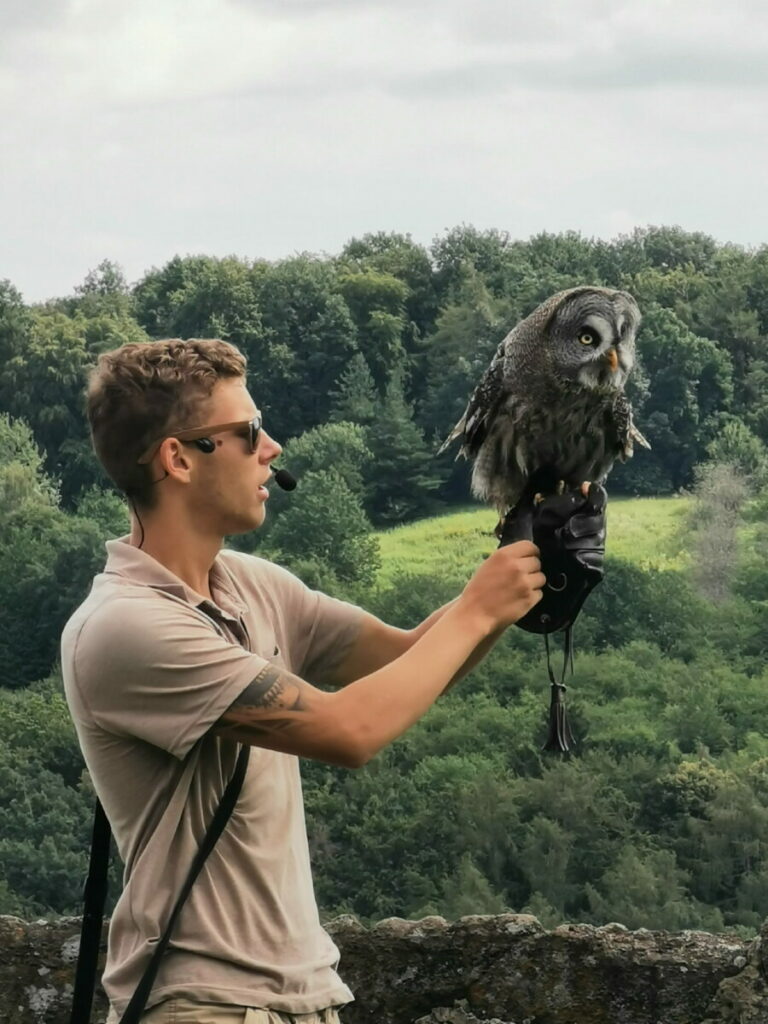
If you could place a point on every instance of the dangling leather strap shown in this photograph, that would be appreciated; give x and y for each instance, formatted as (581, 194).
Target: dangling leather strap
(559, 735)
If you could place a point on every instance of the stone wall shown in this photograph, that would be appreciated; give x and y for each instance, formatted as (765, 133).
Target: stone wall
(480, 970)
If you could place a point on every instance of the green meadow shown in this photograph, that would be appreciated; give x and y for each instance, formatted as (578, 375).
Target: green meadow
(649, 532)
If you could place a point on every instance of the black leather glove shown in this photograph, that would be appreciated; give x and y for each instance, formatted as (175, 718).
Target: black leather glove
(569, 531)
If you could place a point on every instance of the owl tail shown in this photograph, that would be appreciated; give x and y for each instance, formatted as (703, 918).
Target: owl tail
(559, 735)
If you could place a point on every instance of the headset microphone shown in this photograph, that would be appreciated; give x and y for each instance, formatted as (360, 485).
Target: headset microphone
(284, 480)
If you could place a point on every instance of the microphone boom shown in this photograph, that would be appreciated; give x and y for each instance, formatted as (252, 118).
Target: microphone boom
(284, 480)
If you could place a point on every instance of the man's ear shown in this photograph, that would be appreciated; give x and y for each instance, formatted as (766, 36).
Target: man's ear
(175, 459)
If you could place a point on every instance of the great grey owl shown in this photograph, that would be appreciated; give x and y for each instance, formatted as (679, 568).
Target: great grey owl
(551, 406)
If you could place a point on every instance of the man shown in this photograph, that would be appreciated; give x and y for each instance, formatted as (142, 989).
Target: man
(183, 650)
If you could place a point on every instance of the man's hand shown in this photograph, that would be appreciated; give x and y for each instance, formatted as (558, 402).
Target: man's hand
(506, 586)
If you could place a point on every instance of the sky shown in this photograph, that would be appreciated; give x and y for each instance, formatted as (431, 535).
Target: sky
(135, 131)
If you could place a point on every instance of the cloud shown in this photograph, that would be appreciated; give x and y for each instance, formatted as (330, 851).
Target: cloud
(34, 15)
(598, 46)
(139, 130)
(304, 8)
(636, 70)
(102, 52)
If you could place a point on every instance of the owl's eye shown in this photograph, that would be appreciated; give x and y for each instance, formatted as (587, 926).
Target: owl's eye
(586, 337)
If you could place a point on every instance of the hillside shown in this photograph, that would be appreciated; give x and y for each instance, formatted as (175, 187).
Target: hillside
(649, 532)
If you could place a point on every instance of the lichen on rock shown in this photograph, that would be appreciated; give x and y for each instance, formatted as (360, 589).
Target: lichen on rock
(503, 969)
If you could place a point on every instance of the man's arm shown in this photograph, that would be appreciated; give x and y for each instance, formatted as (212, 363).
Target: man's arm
(485, 645)
(377, 644)
(280, 711)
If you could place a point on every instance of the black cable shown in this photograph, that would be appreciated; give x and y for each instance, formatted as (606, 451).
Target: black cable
(135, 512)
(128, 495)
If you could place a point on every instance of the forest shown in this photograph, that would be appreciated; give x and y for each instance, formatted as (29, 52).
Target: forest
(361, 362)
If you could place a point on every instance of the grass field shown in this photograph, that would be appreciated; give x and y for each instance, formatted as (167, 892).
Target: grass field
(647, 531)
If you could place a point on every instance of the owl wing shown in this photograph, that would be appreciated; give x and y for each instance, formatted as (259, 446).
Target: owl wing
(473, 426)
(627, 434)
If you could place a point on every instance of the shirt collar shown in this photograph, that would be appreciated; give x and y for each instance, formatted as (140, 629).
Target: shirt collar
(126, 560)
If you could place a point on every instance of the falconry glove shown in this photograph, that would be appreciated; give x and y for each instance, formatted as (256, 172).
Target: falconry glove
(569, 531)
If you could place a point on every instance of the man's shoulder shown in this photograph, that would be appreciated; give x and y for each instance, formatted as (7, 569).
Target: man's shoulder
(96, 600)
(251, 568)
(114, 613)
(94, 634)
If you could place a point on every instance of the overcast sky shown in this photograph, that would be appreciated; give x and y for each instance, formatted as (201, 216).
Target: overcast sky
(138, 129)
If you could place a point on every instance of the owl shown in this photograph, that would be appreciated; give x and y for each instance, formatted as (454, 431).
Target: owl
(550, 410)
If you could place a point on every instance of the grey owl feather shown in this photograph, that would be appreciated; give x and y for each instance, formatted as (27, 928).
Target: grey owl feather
(551, 406)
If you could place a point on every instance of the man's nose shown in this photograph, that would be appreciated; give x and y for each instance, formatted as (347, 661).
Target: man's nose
(272, 448)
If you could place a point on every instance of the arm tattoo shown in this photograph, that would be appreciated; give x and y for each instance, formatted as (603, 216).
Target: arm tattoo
(270, 703)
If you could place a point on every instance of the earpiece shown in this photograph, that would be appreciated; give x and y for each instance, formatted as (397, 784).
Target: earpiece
(205, 444)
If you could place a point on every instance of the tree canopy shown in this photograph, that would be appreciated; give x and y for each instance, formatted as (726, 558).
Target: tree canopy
(361, 362)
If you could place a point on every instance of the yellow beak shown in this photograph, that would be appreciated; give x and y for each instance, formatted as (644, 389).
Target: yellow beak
(613, 359)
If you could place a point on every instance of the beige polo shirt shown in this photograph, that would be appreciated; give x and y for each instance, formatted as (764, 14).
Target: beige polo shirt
(149, 666)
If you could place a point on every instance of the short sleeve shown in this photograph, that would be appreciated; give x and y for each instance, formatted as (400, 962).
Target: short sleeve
(158, 670)
(319, 629)
(330, 629)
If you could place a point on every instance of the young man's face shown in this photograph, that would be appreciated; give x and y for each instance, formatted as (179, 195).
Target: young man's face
(228, 485)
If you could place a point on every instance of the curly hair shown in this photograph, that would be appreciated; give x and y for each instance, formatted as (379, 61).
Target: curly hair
(141, 392)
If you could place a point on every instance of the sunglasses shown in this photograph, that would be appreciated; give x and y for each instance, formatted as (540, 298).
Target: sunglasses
(200, 433)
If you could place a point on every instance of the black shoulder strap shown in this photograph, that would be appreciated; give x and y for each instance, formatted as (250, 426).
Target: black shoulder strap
(138, 1001)
(95, 895)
